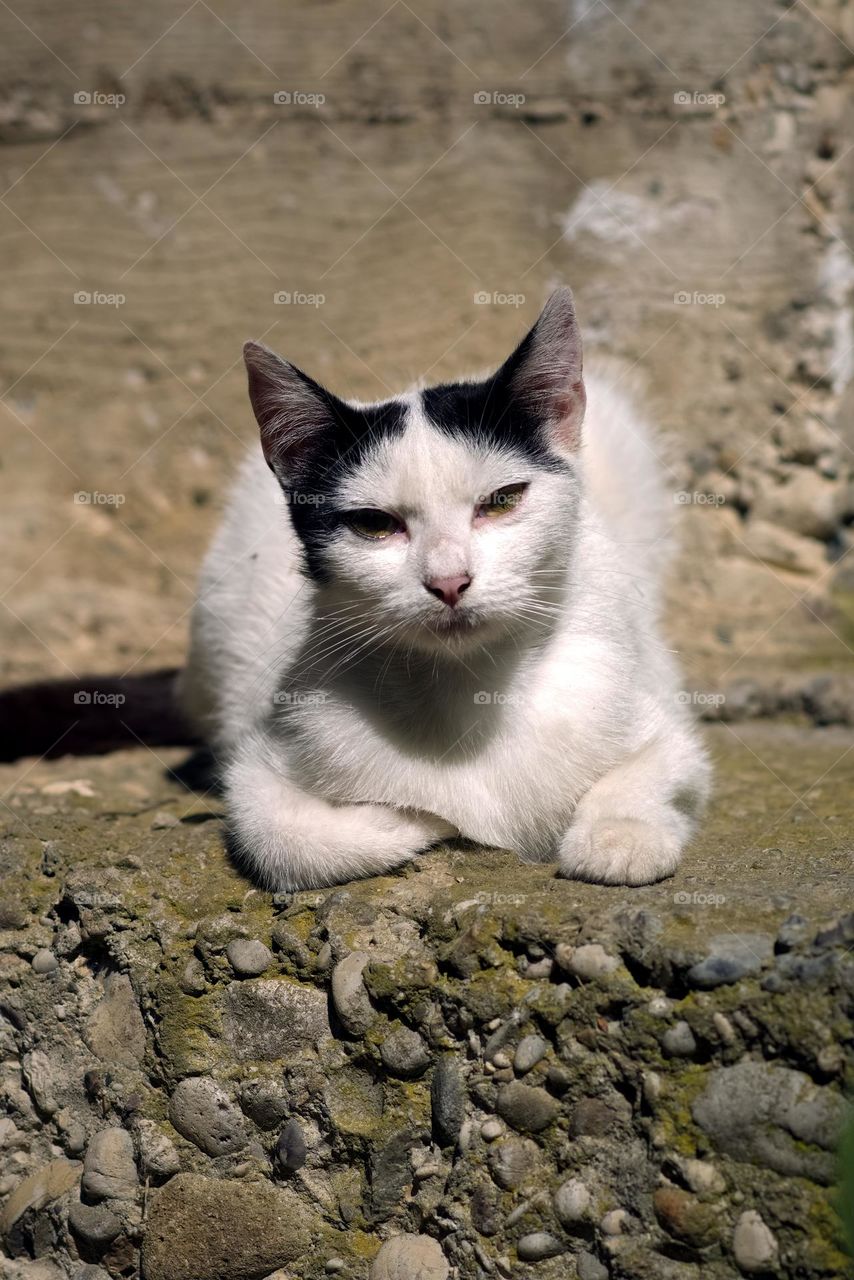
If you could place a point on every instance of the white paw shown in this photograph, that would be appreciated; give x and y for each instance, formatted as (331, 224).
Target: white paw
(619, 851)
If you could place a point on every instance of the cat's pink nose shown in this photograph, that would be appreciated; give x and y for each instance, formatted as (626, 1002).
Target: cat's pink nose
(449, 590)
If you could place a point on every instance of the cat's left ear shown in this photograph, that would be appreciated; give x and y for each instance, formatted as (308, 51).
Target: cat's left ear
(544, 373)
(293, 411)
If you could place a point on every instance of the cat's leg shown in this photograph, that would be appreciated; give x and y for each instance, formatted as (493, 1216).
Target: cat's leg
(288, 839)
(632, 825)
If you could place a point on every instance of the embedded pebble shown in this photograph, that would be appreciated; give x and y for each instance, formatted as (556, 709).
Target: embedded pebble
(741, 1105)
(109, 1169)
(349, 996)
(589, 962)
(248, 957)
(685, 1217)
(793, 932)
(615, 1222)
(491, 1129)
(559, 1078)
(192, 980)
(529, 1051)
(214, 1228)
(287, 939)
(12, 914)
(538, 1245)
(75, 1139)
(660, 1007)
(273, 1018)
(204, 1114)
(40, 1076)
(44, 961)
(596, 1117)
(68, 940)
(485, 1209)
(678, 1041)
(38, 1189)
(798, 968)
(521, 1210)
(830, 1060)
(754, 1245)
(700, 1175)
(410, 1257)
(512, 1161)
(405, 1053)
(535, 969)
(651, 1087)
(526, 1107)
(732, 956)
(590, 1268)
(158, 1155)
(291, 1151)
(447, 1098)
(499, 1037)
(265, 1102)
(838, 934)
(94, 1223)
(115, 1030)
(724, 1027)
(572, 1201)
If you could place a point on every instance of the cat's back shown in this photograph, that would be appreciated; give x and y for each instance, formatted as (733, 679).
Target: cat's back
(624, 464)
(252, 608)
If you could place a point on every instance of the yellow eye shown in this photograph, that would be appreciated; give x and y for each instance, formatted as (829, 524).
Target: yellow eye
(368, 522)
(501, 501)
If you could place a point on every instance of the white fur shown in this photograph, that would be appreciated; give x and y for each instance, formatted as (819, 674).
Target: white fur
(354, 732)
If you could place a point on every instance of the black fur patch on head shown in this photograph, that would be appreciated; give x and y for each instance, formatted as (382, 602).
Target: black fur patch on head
(488, 411)
(348, 434)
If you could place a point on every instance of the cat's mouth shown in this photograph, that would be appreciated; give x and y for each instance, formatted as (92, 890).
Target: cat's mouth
(454, 624)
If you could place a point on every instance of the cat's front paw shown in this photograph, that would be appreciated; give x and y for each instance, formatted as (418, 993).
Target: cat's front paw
(619, 851)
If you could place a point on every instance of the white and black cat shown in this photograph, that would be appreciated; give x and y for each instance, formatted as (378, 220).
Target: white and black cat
(437, 616)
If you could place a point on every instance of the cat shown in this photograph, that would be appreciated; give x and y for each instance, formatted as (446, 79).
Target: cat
(436, 616)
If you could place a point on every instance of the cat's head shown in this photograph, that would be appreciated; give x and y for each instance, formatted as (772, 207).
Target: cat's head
(443, 517)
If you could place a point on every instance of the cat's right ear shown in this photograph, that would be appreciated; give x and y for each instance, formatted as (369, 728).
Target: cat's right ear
(544, 373)
(291, 409)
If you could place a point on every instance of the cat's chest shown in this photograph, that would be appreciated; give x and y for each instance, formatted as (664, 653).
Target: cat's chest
(500, 764)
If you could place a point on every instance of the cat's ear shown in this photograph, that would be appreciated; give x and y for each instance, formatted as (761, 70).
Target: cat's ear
(292, 410)
(544, 373)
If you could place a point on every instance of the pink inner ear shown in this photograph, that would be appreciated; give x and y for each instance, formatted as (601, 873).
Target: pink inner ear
(569, 406)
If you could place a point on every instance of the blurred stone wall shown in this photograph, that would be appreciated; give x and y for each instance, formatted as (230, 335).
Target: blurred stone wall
(688, 174)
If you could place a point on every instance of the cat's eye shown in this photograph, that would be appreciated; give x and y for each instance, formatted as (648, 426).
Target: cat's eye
(369, 522)
(501, 501)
